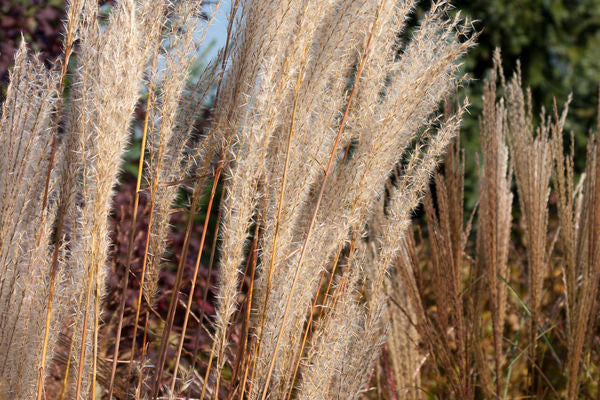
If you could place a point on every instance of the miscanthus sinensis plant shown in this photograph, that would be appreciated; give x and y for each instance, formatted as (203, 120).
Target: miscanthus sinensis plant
(484, 310)
(320, 114)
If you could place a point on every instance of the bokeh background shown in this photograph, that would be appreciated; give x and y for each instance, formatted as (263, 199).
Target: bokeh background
(556, 41)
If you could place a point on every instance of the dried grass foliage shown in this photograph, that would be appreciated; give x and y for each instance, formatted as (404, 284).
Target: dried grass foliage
(326, 130)
(469, 281)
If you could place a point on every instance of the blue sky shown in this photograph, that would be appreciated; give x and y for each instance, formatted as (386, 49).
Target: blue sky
(217, 32)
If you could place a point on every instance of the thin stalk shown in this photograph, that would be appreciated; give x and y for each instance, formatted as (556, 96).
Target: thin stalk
(241, 352)
(333, 270)
(218, 381)
(258, 349)
(59, 229)
(63, 391)
(142, 280)
(66, 378)
(96, 328)
(318, 205)
(304, 338)
(252, 363)
(247, 367)
(131, 237)
(205, 295)
(335, 296)
(207, 373)
(150, 220)
(140, 378)
(195, 276)
(226, 48)
(47, 183)
(217, 93)
(61, 216)
(222, 346)
(197, 194)
(280, 206)
(311, 317)
(250, 264)
(91, 279)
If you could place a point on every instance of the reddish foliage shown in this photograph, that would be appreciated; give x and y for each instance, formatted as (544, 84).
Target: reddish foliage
(122, 219)
(39, 23)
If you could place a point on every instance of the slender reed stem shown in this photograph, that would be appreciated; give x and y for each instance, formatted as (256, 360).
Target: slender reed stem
(205, 296)
(196, 267)
(217, 94)
(280, 206)
(246, 368)
(60, 219)
(197, 194)
(207, 374)
(150, 220)
(96, 329)
(246, 324)
(131, 237)
(304, 338)
(59, 229)
(141, 376)
(63, 391)
(91, 280)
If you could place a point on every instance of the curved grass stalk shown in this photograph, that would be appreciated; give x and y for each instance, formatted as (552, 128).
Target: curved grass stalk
(74, 9)
(131, 237)
(195, 275)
